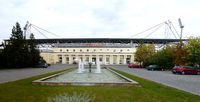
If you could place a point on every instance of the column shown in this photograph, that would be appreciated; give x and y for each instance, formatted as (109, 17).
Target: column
(118, 58)
(104, 59)
(132, 59)
(90, 58)
(70, 59)
(63, 59)
(125, 56)
(97, 58)
(76, 57)
(83, 58)
(111, 59)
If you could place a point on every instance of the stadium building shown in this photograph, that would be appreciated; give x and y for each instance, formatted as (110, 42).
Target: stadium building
(107, 50)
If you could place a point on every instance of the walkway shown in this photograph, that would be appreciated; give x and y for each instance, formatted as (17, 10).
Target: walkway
(7, 75)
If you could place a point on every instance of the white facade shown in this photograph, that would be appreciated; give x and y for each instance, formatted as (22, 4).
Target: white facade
(88, 54)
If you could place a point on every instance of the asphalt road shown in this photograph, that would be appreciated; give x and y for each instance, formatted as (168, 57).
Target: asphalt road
(189, 83)
(7, 75)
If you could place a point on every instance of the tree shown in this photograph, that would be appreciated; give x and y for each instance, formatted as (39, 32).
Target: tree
(163, 57)
(14, 56)
(180, 57)
(143, 52)
(1, 58)
(193, 50)
(35, 54)
(18, 52)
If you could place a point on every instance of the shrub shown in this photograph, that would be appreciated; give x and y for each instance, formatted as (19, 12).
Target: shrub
(71, 98)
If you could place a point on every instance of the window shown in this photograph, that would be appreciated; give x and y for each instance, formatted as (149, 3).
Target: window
(60, 50)
(100, 59)
(94, 50)
(80, 50)
(114, 50)
(87, 59)
(74, 50)
(121, 50)
(128, 50)
(59, 58)
(87, 50)
(67, 50)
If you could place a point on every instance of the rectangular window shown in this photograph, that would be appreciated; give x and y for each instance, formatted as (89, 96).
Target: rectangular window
(59, 59)
(87, 59)
(101, 58)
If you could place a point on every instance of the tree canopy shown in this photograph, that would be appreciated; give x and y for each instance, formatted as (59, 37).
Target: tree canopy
(193, 50)
(18, 52)
(143, 52)
(170, 55)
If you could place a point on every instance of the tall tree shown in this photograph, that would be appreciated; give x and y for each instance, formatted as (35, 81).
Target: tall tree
(35, 54)
(143, 52)
(180, 57)
(14, 49)
(18, 52)
(193, 50)
(164, 57)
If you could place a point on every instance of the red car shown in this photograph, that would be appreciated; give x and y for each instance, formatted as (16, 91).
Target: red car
(131, 65)
(185, 70)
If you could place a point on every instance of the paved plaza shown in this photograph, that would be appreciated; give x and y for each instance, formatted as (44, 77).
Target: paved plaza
(189, 83)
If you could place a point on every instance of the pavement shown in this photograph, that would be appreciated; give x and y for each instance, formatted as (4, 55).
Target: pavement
(7, 75)
(188, 83)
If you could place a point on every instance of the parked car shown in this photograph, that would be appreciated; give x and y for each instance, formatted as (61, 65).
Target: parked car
(131, 65)
(185, 70)
(42, 65)
(154, 67)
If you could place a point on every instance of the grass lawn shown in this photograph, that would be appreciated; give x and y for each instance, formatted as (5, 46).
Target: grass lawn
(24, 91)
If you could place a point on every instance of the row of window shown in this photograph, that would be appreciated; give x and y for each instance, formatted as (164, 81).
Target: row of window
(121, 60)
(94, 50)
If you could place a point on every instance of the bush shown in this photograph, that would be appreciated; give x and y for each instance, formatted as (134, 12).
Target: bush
(73, 98)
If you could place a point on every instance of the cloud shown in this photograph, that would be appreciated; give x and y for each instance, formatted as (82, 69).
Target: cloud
(99, 18)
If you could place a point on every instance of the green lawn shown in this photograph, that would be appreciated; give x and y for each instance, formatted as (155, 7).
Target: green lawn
(24, 91)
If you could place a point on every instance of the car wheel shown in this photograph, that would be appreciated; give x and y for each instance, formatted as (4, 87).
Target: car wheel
(174, 72)
(183, 73)
(198, 73)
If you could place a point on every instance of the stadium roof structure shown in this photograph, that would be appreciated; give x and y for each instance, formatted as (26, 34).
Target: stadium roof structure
(107, 40)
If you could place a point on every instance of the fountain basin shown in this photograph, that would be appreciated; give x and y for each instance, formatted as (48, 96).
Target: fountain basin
(106, 77)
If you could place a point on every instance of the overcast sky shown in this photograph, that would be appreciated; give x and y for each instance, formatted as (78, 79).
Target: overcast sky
(100, 18)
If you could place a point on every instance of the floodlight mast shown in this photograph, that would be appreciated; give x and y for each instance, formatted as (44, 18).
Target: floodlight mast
(25, 29)
(181, 26)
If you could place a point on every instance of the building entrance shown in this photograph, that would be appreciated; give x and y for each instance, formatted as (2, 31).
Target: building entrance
(94, 60)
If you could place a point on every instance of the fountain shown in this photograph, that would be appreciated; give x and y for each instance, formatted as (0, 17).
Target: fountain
(90, 77)
(82, 66)
(98, 70)
(80, 69)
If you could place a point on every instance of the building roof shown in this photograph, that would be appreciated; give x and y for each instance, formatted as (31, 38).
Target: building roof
(107, 40)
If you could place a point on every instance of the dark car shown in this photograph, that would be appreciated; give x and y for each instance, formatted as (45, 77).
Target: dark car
(185, 70)
(41, 65)
(131, 65)
(154, 67)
